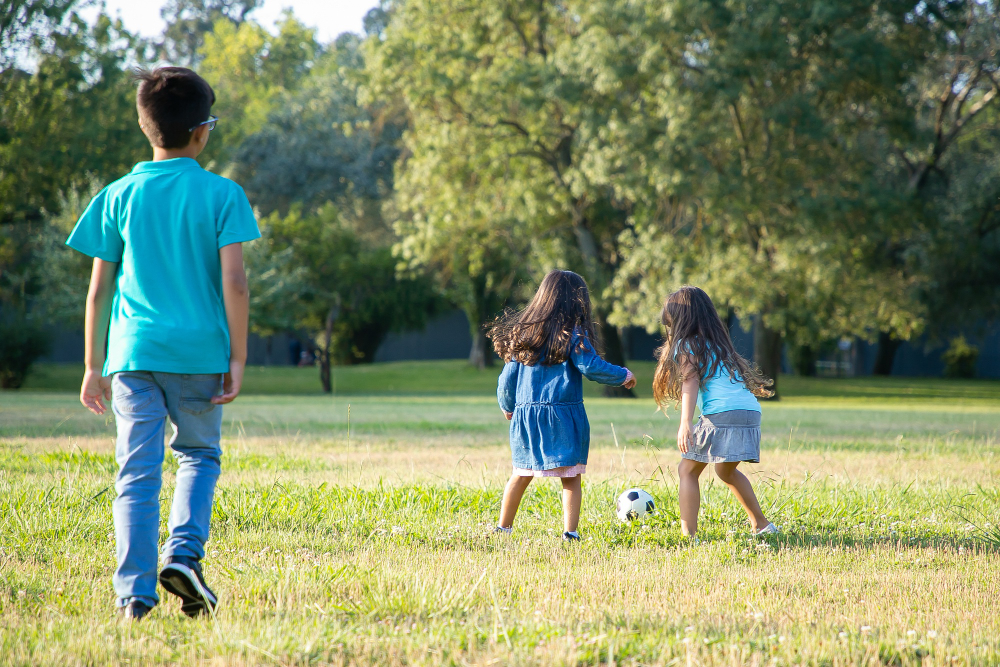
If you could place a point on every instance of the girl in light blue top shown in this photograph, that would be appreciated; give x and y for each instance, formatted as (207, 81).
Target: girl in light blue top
(549, 348)
(699, 365)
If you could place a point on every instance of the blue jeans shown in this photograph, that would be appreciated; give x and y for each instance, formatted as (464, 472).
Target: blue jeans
(142, 404)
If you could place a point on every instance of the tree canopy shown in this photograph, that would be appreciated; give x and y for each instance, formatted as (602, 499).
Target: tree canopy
(826, 170)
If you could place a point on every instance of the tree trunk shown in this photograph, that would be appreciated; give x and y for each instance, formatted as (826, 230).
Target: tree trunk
(481, 355)
(886, 355)
(479, 312)
(614, 352)
(767, 352)
(323, 354)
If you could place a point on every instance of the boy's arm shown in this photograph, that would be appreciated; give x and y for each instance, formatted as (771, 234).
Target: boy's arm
(97, 320)
(236, 297)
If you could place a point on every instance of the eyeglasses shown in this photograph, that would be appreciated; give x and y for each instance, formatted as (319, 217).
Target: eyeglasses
(212, 120)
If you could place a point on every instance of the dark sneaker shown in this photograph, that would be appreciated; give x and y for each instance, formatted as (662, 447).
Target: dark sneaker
(571, 537)
(134, 610)
(182, 577)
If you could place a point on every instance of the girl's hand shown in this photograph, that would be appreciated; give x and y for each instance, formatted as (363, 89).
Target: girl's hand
(629, 379)
(508, 415)
(684, 438)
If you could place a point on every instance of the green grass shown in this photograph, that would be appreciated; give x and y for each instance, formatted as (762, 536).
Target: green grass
(456, 377)
(348, 529)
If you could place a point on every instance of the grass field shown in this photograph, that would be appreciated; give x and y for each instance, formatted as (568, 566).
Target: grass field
(350, 530)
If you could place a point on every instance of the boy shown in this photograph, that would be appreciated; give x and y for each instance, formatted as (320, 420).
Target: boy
(166, 334)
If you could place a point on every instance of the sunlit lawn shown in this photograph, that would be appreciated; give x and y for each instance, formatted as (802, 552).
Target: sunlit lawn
(350, 530)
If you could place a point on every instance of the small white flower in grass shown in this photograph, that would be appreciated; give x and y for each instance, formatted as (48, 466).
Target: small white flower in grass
(932, 634)
(911, 633)
(689, 629)
(865, 629)
(686, 640)
(781, 639)
(21, 594)
(758, 616)
(772, 637)
(843, 635)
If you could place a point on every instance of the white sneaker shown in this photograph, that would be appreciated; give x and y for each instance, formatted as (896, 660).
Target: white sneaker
(769, 529)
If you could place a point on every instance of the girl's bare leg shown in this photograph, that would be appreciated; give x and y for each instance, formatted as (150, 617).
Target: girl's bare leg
(512, 494)
(572, 497)
(689, 494)
(743, 490)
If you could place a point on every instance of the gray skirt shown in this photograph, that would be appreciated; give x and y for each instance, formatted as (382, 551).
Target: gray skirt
(726, 437)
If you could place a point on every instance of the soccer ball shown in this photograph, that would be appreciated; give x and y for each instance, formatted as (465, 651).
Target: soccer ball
(633, 504)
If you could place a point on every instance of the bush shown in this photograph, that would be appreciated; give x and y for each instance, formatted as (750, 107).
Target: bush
(21, 344)
(960, 359)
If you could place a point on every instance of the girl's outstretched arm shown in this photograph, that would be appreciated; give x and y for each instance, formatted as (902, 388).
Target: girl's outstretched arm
(590, 364)
(507, 387)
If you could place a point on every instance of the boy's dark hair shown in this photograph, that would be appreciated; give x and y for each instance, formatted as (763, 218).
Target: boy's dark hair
(171, 100)
(543, 331)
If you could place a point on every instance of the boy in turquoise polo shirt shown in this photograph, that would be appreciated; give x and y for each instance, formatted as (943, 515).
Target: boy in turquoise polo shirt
(166, 334)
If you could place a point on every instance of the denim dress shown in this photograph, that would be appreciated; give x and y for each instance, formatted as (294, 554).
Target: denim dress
(550, 428)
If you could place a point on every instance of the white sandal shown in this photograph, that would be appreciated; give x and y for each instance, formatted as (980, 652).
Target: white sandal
(769, 529)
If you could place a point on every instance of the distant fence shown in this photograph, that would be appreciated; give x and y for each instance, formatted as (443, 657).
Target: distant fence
(449, 337)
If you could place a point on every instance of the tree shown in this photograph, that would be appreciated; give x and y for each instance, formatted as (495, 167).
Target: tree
(954, 93)
(189, 21)
(68, 124)
(253, 73)
(761, 184)
(70, 121)
(24, 22)
(495, 84)
(350, 297)
(321, 145)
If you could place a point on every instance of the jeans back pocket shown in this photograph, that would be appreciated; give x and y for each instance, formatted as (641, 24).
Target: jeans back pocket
(197, 392)
(132, 392)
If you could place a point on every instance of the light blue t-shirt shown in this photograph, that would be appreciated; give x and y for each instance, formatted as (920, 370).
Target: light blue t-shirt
(163, 224)
(721, 393)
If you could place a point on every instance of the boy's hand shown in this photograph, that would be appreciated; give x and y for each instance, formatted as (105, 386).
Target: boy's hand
(508, 415)
(629, 379)
(95, 388)
(684, 438)
(231, 383)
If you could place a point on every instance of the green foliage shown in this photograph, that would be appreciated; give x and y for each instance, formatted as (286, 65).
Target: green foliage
(189, 21)
(960, 358)
(22, 22)
(22, 342)
(504, 133)
(63, 275)
(761, 183)
(71, 121)
(321, 145)
(252, 72)
(350, 298)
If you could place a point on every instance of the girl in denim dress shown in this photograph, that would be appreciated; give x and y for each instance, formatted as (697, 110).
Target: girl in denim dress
(548, 348)
(698, 366)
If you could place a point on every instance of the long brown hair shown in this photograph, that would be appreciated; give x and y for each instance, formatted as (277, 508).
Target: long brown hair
(543, 332)
(695, 331)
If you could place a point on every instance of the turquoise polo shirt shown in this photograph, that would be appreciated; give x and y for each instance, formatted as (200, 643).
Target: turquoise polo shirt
(163, 224)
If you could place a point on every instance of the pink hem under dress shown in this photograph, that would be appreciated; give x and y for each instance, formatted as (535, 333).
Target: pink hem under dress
(563, 471)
